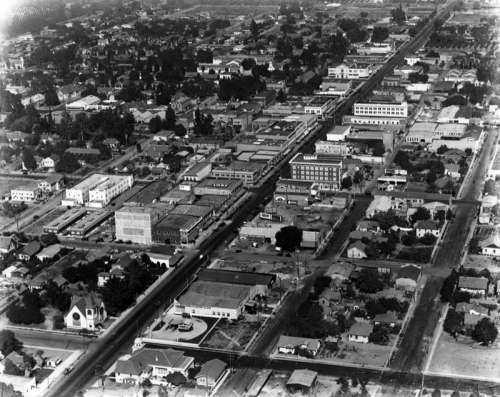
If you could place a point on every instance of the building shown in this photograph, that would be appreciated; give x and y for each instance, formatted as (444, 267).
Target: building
(218, 187)
(357, 250)
(198, 172)
(88, 222)
(7, 244)
(336, 148)
(350, 71)
(50, 252)
(135, 223)
(64, 220)
(293, 345)
(320, 106)
(177, 229)
(209, 299)
(51, 183)
(97, 190)
(86, 312)
(338, 133)
(322, 169)
(26, 193)
(83, 104)
(211, 373)
(248, 172)
(50, 162)
(260, 283)
(427, 227)
(152, 364)
(473, 285)
(301, 380)
(360, 332)
(408, 277)
(381, 109)
(293, 192)
(29, 250)
(492, 249)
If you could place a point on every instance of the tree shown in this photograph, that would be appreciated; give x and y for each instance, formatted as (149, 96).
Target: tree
(427, 239)
(369, 281)
(398, 15)
(176, 378)
(453, 322)
(28, 158)
(346, 183)
(11, 369)
(51, 98)
(442, 149)
(18, 314)
(379, 335)
(485, 331)
(379, 34)
(170, 118)
(436, 393)
(289, 238)
(409, 239)
(179, 130)
(68, 163)
(448, 287)
(58, 321)
(281, 96)
(155, 124)
(457, 99)
(378, 149)
(421, 214)
(254, 30)
(8, 342)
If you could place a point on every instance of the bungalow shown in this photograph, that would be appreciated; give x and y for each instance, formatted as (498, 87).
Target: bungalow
(86, 312)
(210, 373)
(473, 285)
(52, 183)
(471, 308)
(152, 364)
(29, 251)
(408, 277)
(301, 380)
(360, 332)
(292, 345)
(470, 320)
(50, 252)
(492, 249)
(112, 143)
(389, 318)
(369, 226)
(357, 250)
(452, 170)
(15, 271)
(427, 227)
(50, 162)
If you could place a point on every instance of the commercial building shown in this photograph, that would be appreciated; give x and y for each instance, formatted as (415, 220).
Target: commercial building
(293, 192)
(26, 193)
(381, 109)
(338, 133)
(88, 222)
(177, 229)
(247, 172)
(260, 283)
(197, 172)
(350, 71)
(135, 223)
(332, 148)
(320, 106)
(325, 170)
(212, 299)
(64, 220)
(218, 187)
(97, 190)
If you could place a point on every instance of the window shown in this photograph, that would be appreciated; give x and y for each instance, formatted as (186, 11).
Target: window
(76, 316)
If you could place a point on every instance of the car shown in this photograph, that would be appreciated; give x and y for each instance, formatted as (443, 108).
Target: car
(68, 370)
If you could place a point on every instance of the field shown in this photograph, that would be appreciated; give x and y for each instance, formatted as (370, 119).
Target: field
(231, 336)
(465, 359)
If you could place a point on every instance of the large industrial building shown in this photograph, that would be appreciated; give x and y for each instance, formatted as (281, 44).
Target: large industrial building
(97, 190)
(325, 170)
(135, 223)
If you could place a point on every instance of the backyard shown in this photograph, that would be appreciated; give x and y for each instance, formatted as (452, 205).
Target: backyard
(231, 335)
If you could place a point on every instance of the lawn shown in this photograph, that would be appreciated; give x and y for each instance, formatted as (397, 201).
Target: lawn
(231, 335)
(465, 358)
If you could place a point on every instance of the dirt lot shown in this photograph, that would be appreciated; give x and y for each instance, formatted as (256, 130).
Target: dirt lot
(465, 358)
(232, 336)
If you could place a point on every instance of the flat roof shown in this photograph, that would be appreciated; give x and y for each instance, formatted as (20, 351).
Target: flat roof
(97, 181)
(236, 277)
(210, 294)
(323, 159)
(90, 220)
(192, 209)
(219, 183)
(178, 221)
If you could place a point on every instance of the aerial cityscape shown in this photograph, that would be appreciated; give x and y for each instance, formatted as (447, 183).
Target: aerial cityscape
(252, 199)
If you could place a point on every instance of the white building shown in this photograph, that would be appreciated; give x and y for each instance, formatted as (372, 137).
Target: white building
(83, 104)
(97, 190)
(25, 193)
(381, 109)
(353, 71)
(338, 133)
(320, 106)
(86, 312)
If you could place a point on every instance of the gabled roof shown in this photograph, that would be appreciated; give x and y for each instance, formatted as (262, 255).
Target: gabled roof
(387, 318)
(427, 225)
(361, 329)
(31, 248)
(409, 271)
(473, 282)
(236, 277)
(145, 358)
(293, 341)
(359, 245)
(88, 301)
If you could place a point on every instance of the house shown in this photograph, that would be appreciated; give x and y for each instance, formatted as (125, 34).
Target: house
(360, 332)
(50, 162)
(389, 318)
(29, 251)
(301, 380)
(427, 227)
(408, 277)
(50, 252)
(471, 308)
(292, 345)
(52, 183)
(104, 277)
(7, 244)
(152, 364)
(470, 320)
(211, 373)
(368, 226)
(112, 143)
(15, 359)
(86, 312)
(491, 249)
(452, 170)
(357, 250)
(473, 285)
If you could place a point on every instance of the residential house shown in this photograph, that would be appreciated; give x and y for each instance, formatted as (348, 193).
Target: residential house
(52, 183)
(293, 345)
(388, 318)
(50, 162)
(360, 332)
(492, 249)
(408, 277)
(211, 373)
(357, 250)
(473, 285)
(86, 312)
(424, 227)
(301, 381)
(152, 364)
(7, 244)
(29, 251)
(112, 143)
(368, 226)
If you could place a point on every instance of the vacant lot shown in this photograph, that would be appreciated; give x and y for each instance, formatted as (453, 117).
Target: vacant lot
(231, 335)
(465, 358)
